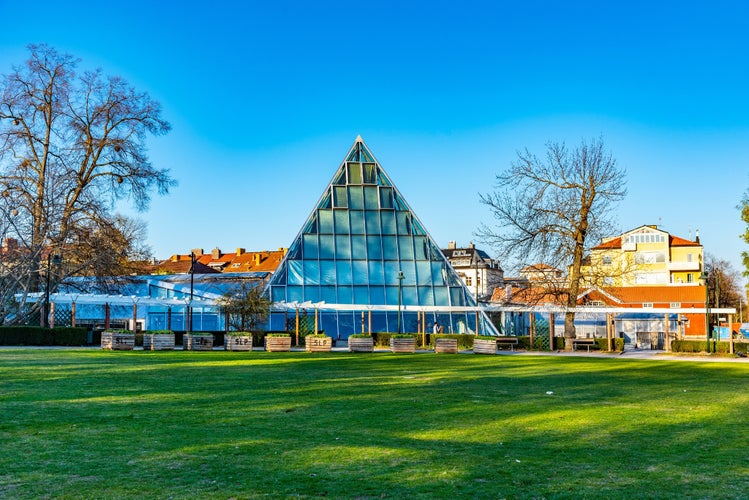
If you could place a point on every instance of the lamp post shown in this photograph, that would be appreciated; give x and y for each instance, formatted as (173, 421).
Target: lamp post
(400, 286)
(192, 287)
(51, 259)
(704, 276)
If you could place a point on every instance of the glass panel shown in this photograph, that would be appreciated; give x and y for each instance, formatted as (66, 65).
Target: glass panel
(374, 248)
(360, 272)
(423, 273)
(295, 272)
(421, 249)
(342, 247)
(328, 295)
(328, 323)
(295, 250)
(357, 222)
(391, 295)
(370, 173)
(376, 276)
(327, 246)
(404, 223)
(389, 248)
(341, 221)
(371, 201)
(376, 295)
(295, 294)
(373, 222)
(326, 221)
(310, 246)
(327, 272)
(340, 177)
(379, 322)
(426, 297)
(339, 197)
(354, 173)
(409, 296)
(388, 222)
(325, 203)
(405, 248)
(437, 274)
(279, 278)
(345, 295)
(312, 293)
(358, 247)
(278, 293)
(311, 226)
(343, 271)
(409, 273)
(311, 272)
(456, 297)
(361, 295)
(355, 198)
(391, 272)
(440, 296)
(386, 197)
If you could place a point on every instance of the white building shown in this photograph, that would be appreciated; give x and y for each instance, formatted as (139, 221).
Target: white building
(476, 269)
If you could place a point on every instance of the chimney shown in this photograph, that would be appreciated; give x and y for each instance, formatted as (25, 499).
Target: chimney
(197, 252)
(696, 235)
(282, 250)
(471, 245)
(174, 258)
(256, 258)
(451, 245)
(240, 251)
(215, 253)
(508, 293)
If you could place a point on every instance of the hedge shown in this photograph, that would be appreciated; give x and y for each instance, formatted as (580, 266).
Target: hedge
(37, 335)
(723, 347)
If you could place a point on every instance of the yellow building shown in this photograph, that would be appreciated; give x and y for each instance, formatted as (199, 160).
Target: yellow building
(645, 256)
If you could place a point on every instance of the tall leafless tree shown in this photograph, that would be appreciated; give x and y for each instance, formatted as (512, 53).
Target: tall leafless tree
(550, 210)
(724, 284)
(71, 145)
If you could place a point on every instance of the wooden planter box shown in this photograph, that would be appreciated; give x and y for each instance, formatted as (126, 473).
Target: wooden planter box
(481, 346)
(238, 342)
(198, 342)
(158, 341)
(361, 344)
(445, 346)
(403, 345)
(117, 341)
(317, 344)
(278, 344)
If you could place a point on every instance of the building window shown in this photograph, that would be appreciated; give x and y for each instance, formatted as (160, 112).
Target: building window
(689, 277)
(468, 280)
(675, 305)
(647, 305)
(607, 260)
(608, 280)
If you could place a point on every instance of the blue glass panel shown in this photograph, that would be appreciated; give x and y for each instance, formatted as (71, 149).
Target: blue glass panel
(417, 227)
(278, 293)
(311, 272)
(399, 203)
(327, 294)
(386, 197)
(357, 222)
(376, 295)
(390, 248)
(379, 322)
(405, 248)
(423, 273)
(370, 173)
(409, 296)
(345, 295)
(295, 250)
(440, 296)
(371, 199)
(279, 278)
(435, 253)
(374, 248)
(326, 221)
(341, 221)
(327, 246)
(361, 295)
(312, 293)
(438, 273)
(340, 177)
(426, 297)
(328, 322)
(404, 222)
(343, 272)
(409, 272)
(342, 247)
(295, 293)
(358, 247)
(355, 198)
(346, 323)
(421, 249)
(296, 272)
(388, 222)
(373, 222)
(391, 295)
(376, 276)
(327, 272)
(339, 197)
(410, 322)
(456, 297)
(354, 173)
(391, 272)
(277, 322)
(310, 246)
(311, 226)
(360, 272)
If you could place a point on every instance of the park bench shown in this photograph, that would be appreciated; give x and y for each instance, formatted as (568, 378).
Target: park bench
(583, 342)
(507, 341)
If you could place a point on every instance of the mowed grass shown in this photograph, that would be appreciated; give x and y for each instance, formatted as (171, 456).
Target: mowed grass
(99, 424)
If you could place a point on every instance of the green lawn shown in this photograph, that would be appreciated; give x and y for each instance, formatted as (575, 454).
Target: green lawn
(89, 423)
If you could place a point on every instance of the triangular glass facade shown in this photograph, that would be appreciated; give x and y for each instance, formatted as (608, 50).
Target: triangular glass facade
(362, 256)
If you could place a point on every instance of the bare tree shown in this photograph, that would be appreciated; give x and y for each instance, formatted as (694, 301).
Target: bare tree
(550, 210)
(71, 145)
(723, 284)
(744, 208)
(245, 306)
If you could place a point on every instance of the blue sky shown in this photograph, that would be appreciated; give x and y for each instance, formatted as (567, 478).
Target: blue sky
(265, 99)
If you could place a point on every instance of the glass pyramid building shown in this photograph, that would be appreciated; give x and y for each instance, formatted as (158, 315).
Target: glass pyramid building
(362, 257)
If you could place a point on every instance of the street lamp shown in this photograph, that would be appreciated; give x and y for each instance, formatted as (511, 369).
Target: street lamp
(56, 260)
(704, 276)
(400, 287)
